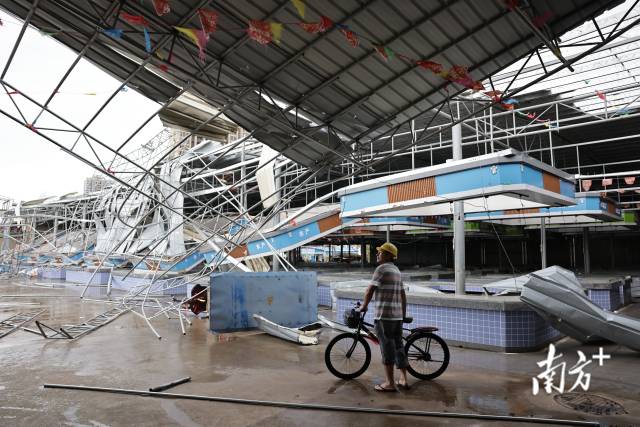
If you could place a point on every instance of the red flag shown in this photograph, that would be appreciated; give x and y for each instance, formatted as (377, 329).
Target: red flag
(208, 20)
(317, 27)
(458, 72)
(430, 65)
(260, 31)
(607, 181)
(495, 94)
(351, 37)
(601, 95)
(629, 180)
(162, 7)
(586, 184)
(478, 86)
(531, 115)
(134, 19)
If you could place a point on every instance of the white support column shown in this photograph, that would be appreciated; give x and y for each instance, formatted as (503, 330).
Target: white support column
(458, 219)
(543, 243)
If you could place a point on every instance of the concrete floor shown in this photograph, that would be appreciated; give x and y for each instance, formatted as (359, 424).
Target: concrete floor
(125, 354)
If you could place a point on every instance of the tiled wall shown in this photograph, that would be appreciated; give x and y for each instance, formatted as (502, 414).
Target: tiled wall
(81, 276)
(324, 296)
(608, 299)
(502, 330)
(52, 273)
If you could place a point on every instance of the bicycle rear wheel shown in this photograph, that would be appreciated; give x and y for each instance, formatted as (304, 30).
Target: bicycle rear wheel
(428, 355)
(347, 356)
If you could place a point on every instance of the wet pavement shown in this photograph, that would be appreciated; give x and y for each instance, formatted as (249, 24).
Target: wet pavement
(252, 365)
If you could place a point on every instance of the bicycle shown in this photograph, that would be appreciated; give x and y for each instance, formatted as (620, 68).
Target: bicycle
(348, 354)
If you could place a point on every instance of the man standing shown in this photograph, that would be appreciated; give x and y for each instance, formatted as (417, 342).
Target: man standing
(390, 310)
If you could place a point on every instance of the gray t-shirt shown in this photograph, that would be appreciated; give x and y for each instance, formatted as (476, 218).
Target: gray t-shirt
(387, 280)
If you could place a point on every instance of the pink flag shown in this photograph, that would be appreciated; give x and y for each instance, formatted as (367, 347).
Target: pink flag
(208, 20)
(601, 95)
(162, 7)
(607, 181)
(586, 184)
(629, 180)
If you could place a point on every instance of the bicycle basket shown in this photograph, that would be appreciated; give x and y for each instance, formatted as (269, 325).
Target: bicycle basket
(351, 318)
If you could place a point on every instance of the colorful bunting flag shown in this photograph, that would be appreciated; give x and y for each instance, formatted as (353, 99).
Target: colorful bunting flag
(586, 184)
(161, 7)
(385, 52)
(629, 180)
(607, 181)
(458, 72)
(208, 20)
(300, 7)
(317, 27)
(276, 31)
(115, 33)
(134, 19)
(260, 31)
(198, 37)
(147, 40)
(511, 101)
(434, 67)
(601, 95)
(351, 37)
(164, 67)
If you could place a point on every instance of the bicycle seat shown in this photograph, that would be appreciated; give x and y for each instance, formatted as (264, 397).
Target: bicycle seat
(425, 329)
(407, 319)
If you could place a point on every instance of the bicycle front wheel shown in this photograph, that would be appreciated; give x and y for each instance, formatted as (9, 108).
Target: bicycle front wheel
(428, 355)
(347, 356)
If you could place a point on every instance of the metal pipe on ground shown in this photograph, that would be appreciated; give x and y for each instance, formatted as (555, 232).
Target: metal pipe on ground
(167, 386)
(320, 407)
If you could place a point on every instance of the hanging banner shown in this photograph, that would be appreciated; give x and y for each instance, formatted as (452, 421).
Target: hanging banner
(134, 19)
(317, 27)
(276, 31)
(208, 20)
(434, 67)
(300, 7)
(260, 31)
(161, 7)
(198, 37)
(351, 37)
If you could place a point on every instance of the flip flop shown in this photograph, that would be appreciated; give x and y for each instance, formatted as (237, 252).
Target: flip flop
(402, 386)
(378, 387)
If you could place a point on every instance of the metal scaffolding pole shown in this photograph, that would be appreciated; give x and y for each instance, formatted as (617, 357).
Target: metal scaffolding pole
(543, 243)
(458, 220)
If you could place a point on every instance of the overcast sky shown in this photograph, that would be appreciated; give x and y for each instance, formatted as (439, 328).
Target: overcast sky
(30, 166)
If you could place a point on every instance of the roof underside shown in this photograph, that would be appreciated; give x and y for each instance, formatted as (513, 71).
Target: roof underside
(319, 76)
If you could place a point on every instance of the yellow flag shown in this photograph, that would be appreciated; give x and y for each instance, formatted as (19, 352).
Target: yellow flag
(190, 33)
(276, 31)
(299, 5)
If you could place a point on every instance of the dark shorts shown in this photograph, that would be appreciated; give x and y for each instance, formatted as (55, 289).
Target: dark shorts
(389, 334)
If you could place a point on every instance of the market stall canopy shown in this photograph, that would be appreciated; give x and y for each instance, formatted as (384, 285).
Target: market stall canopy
(503, 180)
(588, 209)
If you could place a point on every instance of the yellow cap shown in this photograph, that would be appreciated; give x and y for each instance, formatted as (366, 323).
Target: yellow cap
(389, 247)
